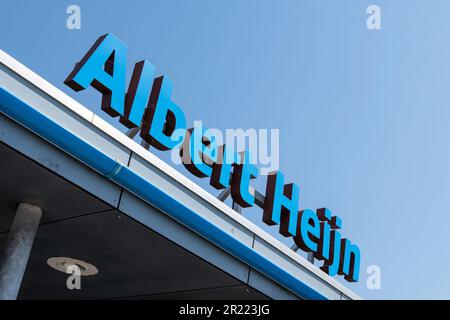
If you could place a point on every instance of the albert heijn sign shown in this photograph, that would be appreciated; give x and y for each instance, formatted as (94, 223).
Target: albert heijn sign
(147, 104)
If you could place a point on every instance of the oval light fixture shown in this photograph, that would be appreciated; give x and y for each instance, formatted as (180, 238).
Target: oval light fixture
(62, 264)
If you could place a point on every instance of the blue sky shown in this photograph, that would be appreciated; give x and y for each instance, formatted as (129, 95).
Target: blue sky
(363, 115)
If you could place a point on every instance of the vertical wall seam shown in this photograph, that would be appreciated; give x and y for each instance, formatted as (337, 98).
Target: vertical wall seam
(249, 268)
(121, 188)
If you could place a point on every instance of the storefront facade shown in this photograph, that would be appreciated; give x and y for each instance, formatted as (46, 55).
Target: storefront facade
(149, 231)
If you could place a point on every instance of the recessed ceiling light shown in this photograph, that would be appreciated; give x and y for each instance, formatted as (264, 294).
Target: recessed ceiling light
(63, 263)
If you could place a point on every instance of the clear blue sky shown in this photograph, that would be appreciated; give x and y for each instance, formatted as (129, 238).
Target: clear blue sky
(363, 115)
